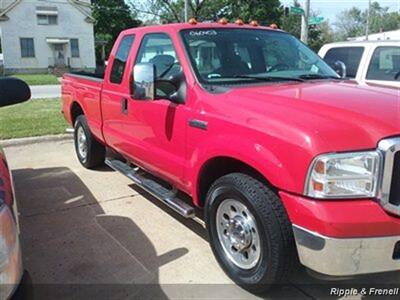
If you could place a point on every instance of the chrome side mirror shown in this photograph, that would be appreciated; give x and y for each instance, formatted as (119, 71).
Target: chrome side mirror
(144, 75)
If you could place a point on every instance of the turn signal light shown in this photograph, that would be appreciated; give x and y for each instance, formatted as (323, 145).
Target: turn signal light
(192, 21)
(239, 22)
(254, 23)
(223, 21)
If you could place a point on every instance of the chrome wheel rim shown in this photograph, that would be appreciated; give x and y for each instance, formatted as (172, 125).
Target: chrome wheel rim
(238, 234)
(82, 143)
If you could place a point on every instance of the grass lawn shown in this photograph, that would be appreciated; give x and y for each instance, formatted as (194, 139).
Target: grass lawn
(33, 118)
(38, 79)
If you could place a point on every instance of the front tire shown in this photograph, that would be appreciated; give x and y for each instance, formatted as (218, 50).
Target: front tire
(89, 151)
(250, 233)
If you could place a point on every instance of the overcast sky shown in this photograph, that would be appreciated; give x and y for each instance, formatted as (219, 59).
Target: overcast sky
(330, 8)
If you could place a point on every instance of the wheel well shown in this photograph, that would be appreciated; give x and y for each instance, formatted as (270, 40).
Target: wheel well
(220, 166)
(76, 110)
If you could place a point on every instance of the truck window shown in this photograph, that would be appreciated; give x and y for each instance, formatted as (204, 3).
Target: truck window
(208, 56)
(158, 49)
(350, 56)
(385, 64)
(118, 67)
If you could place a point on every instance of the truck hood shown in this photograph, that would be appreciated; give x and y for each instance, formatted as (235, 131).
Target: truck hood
(343, 114)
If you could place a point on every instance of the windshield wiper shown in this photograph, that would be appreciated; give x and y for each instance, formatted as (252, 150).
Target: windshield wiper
(317, 76)
(269, 78)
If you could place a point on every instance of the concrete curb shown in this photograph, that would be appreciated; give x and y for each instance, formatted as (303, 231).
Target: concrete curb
(36, 139)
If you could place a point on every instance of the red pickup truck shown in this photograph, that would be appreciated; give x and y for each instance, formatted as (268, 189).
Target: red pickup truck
(288, 161)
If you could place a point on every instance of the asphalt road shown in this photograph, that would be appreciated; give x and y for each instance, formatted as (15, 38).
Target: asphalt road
(94, 235)
(45, 91)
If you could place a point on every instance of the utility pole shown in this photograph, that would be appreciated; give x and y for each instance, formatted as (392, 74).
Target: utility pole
(186, 10)
(304, 22)
(368, 16)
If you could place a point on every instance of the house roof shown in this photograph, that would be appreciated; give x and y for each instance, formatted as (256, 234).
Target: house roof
(84, 8)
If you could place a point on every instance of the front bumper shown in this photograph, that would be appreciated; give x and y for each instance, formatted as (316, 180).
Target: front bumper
(347, 256)
(344, 237)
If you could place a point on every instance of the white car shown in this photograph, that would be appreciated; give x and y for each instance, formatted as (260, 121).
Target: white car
(367, 61)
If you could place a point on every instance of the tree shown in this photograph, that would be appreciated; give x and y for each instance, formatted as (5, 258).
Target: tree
(112, 16)
(353, 22)
(166, 11)
(318, 35)
(350, 23)
(292, 22)
(266, 11)
(381, 19)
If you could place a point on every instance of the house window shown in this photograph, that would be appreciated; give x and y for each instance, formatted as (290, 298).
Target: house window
(74, 47)
(47, 19)
(27, 47)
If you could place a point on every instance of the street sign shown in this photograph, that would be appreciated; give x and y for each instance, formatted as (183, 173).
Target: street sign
(296, 10)
(315, 20)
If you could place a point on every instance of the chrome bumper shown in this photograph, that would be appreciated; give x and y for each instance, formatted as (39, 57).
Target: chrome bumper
(347, 256)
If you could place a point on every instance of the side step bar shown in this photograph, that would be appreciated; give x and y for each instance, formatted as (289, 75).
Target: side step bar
(167, 196)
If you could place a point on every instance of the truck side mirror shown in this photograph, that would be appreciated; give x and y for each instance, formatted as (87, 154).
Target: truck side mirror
(340, 68)
(13, 91)
(144, 75)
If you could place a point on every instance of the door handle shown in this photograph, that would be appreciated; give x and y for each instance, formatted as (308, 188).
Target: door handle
(124, 107)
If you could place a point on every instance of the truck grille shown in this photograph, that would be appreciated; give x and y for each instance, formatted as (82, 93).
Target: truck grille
(394, 196)
(389, 188)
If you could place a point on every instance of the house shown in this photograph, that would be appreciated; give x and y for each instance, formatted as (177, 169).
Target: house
(393, 35)
(42, 35)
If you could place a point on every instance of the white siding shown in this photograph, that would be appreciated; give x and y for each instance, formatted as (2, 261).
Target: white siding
(22, 23)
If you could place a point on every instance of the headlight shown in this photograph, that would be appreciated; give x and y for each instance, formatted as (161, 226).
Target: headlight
(343, 175)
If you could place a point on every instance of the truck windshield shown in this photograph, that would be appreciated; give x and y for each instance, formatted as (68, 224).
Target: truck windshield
(232, 56)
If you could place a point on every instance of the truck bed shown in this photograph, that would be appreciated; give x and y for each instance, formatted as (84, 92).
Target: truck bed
(87, 75)
(83, 88)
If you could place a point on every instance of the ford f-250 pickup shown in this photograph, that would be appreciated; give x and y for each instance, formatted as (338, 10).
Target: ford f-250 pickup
(288, 161)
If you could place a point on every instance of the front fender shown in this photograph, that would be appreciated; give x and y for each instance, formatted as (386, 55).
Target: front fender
(274, 163)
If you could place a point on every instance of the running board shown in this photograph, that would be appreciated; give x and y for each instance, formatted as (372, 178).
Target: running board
(166, 196)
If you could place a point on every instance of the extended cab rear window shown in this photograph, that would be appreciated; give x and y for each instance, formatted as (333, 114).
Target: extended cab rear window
(350, 56)
(118, 67)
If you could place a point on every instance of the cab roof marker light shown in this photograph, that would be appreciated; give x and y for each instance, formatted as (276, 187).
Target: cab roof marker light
(192, 21)
(254, 23)
(239, 22)
(223, 21)
(274, 26)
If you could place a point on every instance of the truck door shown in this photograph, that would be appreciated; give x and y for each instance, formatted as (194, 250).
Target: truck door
(115, 94)
(155, 130)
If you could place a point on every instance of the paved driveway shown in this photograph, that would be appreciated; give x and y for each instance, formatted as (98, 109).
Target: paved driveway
(94, 235)
(45, 91)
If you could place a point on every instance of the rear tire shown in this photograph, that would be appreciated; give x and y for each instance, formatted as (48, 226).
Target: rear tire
(89, 151)
(257, 249)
